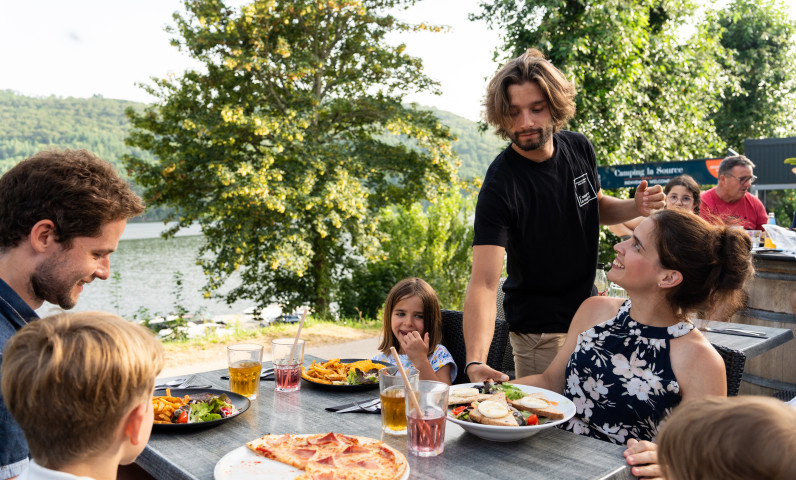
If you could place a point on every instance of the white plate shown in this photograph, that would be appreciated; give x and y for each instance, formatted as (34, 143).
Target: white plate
(244, 464)
(510, 434)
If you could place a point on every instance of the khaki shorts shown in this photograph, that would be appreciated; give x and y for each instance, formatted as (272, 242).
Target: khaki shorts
(533, 352)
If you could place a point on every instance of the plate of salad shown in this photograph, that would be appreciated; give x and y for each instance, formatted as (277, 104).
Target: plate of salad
(343, 374)
(204, 408)
(531, 423)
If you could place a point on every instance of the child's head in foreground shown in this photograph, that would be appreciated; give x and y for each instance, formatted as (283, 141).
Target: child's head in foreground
(729, 438)
(80, 384)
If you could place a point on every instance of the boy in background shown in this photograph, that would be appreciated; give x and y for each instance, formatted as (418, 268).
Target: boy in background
(80, 387)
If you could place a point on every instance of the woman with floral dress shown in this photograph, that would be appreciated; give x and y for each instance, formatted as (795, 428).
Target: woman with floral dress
(627, 363)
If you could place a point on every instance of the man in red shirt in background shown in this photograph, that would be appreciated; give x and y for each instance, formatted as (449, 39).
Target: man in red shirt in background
(730, 202)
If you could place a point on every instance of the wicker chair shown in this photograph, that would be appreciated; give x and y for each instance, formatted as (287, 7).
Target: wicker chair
(507, 366)
(734, 362)
(453, 339)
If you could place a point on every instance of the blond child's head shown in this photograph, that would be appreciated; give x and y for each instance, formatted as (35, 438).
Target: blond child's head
(74, 381)
(730, 438)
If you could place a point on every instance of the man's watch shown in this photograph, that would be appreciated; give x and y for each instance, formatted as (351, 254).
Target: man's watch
(471, 363)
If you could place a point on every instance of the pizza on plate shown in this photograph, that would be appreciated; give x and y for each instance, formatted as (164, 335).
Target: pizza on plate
(333, 456)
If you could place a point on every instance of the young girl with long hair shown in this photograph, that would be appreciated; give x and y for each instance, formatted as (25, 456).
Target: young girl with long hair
(413, 325)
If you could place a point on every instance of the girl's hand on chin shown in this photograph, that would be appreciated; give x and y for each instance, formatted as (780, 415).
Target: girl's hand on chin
(414, 346)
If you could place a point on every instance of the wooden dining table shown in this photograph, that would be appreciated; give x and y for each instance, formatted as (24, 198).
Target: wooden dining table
(550, 454)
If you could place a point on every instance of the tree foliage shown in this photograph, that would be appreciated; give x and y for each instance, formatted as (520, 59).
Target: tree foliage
(433, 243)
(761, 54)
(644, 91)
(277, 147)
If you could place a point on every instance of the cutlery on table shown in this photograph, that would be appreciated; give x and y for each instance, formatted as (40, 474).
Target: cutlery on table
(263, 373)
(181, 383)
(368, 406)
(736, 331)
(176, 383)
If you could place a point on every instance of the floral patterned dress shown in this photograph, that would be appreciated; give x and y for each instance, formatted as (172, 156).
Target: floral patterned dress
(620, 379)
(440, 357)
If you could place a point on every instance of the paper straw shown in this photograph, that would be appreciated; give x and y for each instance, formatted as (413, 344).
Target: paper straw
(408, 387)
(298, 334)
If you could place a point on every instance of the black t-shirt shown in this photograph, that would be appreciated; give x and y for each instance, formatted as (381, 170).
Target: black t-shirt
(547, 218)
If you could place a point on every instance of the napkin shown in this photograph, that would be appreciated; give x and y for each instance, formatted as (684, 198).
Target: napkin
(367, 406)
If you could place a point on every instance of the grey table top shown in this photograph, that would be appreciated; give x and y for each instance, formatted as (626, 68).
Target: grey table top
(751, 346)
(551, 454)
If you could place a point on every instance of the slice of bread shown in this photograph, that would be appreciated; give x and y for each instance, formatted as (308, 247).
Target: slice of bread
(462, 396)
(466, 396)
(499, 400)
(537, 404)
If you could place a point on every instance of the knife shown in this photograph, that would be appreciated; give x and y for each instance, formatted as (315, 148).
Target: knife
(737, 331)
(263, 373)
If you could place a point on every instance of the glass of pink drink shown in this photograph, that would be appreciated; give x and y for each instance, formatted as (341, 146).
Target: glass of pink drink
(426, 426)
(288, 358)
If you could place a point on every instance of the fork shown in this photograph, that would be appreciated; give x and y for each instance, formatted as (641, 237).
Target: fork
(185, 384)
(368, 406)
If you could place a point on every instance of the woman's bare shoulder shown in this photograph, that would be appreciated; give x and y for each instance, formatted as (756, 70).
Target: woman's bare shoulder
(594, 311)
(697, 366)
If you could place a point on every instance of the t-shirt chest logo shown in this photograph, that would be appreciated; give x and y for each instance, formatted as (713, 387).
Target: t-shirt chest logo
(584, 190)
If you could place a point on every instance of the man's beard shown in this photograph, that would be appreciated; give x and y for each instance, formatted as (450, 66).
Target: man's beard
(530, 145)
(49, 283)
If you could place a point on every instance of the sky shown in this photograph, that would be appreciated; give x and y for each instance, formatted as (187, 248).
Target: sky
(81, 48)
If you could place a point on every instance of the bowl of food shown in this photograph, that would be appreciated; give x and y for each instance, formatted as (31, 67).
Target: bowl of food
(506, 412)
(347, 374)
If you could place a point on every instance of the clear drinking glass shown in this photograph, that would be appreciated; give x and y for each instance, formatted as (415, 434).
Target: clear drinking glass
(426, 426)
(601, 281)
(245, 362)
(288, 358)
(392, 394)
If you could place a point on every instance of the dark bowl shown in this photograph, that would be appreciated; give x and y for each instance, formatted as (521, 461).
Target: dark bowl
(347, 388)
(239, 401)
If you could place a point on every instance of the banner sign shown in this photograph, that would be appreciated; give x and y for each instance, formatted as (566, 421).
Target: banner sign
(705, 172)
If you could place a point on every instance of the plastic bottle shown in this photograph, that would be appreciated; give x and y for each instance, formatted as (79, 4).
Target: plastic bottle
(601, 281)
(768, 242)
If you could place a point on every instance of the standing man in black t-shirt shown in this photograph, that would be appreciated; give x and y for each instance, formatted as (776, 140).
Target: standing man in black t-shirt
(540, 206)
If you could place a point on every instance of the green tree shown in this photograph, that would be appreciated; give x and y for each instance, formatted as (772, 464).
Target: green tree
(644, 91)
(761, 42)
(276, 148)
(433, 243)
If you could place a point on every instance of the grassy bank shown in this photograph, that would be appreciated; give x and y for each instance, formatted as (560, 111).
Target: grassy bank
(212, 347)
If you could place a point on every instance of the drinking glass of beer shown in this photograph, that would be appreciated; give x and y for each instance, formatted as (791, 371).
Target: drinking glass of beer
(245, 362)
(288, 358)
(427, 425)
(392, 395)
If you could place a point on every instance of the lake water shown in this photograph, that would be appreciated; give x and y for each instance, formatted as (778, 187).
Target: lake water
(147, 264)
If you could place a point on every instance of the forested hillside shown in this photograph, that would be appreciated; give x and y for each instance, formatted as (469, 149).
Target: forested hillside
(30, 124)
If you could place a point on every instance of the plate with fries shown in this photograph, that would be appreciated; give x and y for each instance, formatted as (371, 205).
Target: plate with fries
(165, 405)
(333, 373)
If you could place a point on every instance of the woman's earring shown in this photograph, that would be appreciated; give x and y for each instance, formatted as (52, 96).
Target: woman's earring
(659, 285)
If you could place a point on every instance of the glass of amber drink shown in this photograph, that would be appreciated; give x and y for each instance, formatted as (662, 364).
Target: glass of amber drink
(288, 358)
(245, 362)
(392, 395)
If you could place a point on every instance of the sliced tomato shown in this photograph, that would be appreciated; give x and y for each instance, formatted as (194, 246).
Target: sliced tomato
(183, 418)
(456, 411)
(532, 420)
